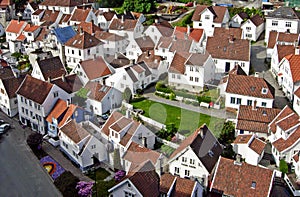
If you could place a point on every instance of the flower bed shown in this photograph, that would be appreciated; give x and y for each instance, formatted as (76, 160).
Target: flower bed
(52, 167)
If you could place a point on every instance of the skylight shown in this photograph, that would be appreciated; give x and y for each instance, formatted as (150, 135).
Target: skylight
(253, 184)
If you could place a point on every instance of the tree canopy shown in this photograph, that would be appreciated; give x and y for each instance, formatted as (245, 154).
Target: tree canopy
(143, 6)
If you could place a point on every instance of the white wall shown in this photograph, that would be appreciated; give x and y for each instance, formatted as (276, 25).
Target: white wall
(221, 65)
(124, 186)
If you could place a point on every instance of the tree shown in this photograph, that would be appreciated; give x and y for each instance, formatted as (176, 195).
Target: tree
(227, 134)
(66, 183)
(127, 95)
(143, 6)
(283, 167)
(34, 140)
(205, 2)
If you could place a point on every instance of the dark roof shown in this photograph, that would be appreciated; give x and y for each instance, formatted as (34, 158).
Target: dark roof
(83, 41)
(52, 67)
(205, 146)
(243, 15)
(63, 3)
(6, 72)
(64, 34)
(11, 85)
(257, 20)
(285, 13)
(218, 12)
(131, 74)
(34, 89)
(117, 62)
(147, 71)
(70, 83)
(145, 43)
(241, 179)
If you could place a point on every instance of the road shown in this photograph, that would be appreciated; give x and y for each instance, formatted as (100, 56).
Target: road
(20, 172)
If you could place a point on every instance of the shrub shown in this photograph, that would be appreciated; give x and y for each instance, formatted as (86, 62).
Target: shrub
(66, 183)
(195, 103)
(172, 96)
(34, 140)
(283, 167)
(138, 99)
(204, 99)
(162, 88)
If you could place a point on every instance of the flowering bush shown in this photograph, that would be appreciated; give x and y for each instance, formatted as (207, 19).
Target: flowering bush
(85, 188)
(119, 175)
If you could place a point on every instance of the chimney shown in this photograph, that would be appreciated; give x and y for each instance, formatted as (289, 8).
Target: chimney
(116, 55)
(155, 61)
(238, 160)
(63, 78)
(122, 18)
(254, 105)
(185, 36)
(200, 132)
(194, 4)
(144, 142)
(296, 43)
(188, 30)
(148, 54)
(174, 37)
(144, 36)
(127, 114)
(297, 50)
(94, 57)
(49, 79)
(156, 21)
(131, 62)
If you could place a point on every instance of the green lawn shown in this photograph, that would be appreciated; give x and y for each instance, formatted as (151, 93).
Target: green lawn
(167, 150)
(186, 121)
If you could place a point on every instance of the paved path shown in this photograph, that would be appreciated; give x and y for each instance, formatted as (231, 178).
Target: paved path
(211, 112)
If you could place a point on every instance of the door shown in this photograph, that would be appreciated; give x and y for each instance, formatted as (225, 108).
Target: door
(227, 67)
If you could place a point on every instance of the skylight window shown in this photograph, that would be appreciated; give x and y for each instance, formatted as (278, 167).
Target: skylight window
(264, 91)
(253, 184)
(210, 153)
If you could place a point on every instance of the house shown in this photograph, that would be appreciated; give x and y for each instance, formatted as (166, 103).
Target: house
(36, 98)
(283, 19)
(251, 120)
(191, 71)
(248, 90)
(196, 35)
(142, 182)
(61, 113)
(8, 97)
(196, 156)
(209, 17)
(31, 32)
(81, 146)
(13, 32)
(102, 98)
(138, 46)
(159, 29)
(7, 11)
(129, 28)
(229, 51)
(279, 52)
(104, 18)
(281, 38)
(65, 7)
(82, 46)
(95, 69)
(174, 185)
(288, 75)
(238, 19)
(82, 15)
(249, 147)
(69, 83)
(253, 27)
(113, 43)
(249, 180)
(49, 68)
(136, 155)
(46, 18)
(285, 135)
(29, 9)
(135, 77)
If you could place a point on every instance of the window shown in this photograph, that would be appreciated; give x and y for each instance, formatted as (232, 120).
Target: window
(176, 170)
(173, 76)
(207, 17)
(191, 68)
(128, 194)
(184, 159)
(178, 77)
(79, 52)
(26, 101)
(23, 110)
(241, 131)
(22, 100)
(191, 79)
(55, 94)
(264, 90)
(30, 103)
(232, 100)
(274, 23)
(192, 161)
(187, 173)
(248, 35)
(89, 52)
(124, 77)
(196, 79)
(238, 101)
(93, 146)
(26, 111)
(288, 24)
(253, 184)
(216, 61)
(31, 113)
(249, 102)
(248, 28)
(243, 64)
(263, 104)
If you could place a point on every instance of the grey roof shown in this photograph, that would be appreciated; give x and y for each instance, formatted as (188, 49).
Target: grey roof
(147, 71)
(285, 13)
(131, 74)
(197, 59)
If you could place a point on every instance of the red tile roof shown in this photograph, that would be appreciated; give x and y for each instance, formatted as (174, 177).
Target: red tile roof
(282, 144)
(34, 89)
(80, 15)
(97, 91)
(241, 179)
(59, 108)
(272, 39)
(49, 17)
(74, 131)
(145, 43)
(107, 36)
(114, 117)
(257, 146)
(193, 34)
(127, 24)
(88, 27)
(31, 28)
(120, 124)
(131, 131)
(95, 68)
(249, 86)
(285, 112)
(62, 3)
(70, 111)
(16, 26)
(294, 61)
(242, 139)
(178, 63)
(83, 41)
(297, 92)
(224, 33)
(218, 12)
(284, 50)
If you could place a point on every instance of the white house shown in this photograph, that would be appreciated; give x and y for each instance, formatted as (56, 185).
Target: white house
(102, 98)
(80, 146)
(248, 90)
(36, 98)
(250, 148)
(249, 180)
(29, 9)
(285, 135)
(159, 29)
(227, 51)
(143, 181)
(82, 15)
(46, 18)
(197, 156)
(82, 46)
(13, 32)
(104, 18)
(283, 19)
(253, 27)
(288, 77)
(254, 120)
(137, 46)
(238, 19)
(65, 7)
(191, 71)
(8, 97)
(209, 17)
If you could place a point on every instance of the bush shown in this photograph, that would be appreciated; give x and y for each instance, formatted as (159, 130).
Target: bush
(138, 99)
(283, 167)
(34, 140)
(163, 88)
(66, 183)
(185, 95)
(204, 99)
(195, 103)
(172, 96)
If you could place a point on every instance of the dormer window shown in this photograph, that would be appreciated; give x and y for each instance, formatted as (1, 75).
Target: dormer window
(264, 91)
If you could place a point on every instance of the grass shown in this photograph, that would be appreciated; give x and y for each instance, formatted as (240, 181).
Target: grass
(185, 120)
(186, 20)
(82, 93)
(167, 150)
(101, 174)
(212, 93)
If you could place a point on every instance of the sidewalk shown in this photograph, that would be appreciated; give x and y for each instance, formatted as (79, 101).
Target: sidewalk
(64, 162)
(219, 113)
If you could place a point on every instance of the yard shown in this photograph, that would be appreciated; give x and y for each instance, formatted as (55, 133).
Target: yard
(186, 121)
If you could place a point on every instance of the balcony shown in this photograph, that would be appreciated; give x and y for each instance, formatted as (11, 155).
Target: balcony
(293, 183)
